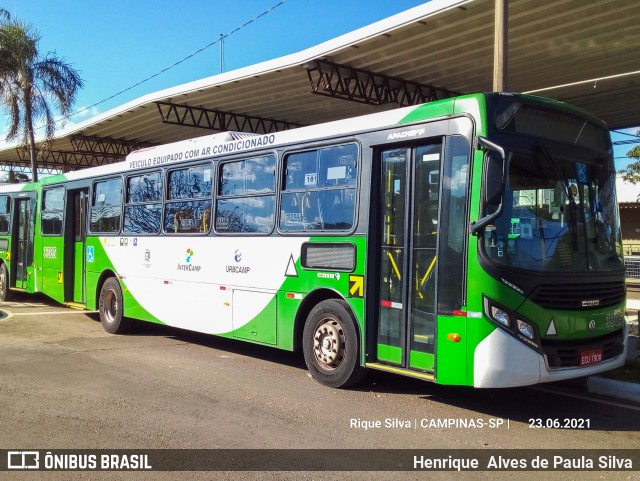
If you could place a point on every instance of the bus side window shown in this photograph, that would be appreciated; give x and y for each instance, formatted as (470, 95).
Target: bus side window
(246, 196)
(189, 200)
(106, 206)
(319, 189)
(143, 204)
(5, 213)
(52, 209)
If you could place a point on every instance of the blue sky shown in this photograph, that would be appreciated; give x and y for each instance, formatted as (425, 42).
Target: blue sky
(117, 43)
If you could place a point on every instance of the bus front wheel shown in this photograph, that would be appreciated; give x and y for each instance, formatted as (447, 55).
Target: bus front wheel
(5, 292)
(331, 346)
(111, 308)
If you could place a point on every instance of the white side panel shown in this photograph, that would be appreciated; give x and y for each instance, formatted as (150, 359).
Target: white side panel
(187, 282)
(247, 305)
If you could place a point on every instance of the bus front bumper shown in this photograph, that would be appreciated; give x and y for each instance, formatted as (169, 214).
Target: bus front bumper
(500, 360)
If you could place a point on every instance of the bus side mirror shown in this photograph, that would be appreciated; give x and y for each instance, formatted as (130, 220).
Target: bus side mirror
(494, 178)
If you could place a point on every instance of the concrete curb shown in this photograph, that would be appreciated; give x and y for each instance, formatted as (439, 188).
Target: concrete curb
(629, 391)
(614, 388)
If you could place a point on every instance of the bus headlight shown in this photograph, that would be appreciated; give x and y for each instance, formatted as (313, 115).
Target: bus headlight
(526, 329)
(497, 313)
(522, 330)
(500, 315)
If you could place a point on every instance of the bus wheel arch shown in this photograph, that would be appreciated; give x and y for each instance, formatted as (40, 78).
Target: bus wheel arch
(111, 306)
(103, 277)
(331, 343)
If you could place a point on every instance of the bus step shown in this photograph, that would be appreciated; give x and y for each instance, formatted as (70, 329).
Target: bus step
(76, 305)
(427, 376)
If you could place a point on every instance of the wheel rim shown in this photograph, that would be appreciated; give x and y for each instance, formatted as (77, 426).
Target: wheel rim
(110, 306)
(2, 281)
(328, 344)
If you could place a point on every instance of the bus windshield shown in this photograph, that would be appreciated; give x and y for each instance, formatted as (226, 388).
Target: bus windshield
(559, 214)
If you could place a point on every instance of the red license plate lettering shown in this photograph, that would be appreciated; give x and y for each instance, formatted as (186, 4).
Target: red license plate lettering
(590, 357)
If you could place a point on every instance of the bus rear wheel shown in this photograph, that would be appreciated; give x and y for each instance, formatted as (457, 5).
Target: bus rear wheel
(5, 292)
(111, 308)
(331, 345)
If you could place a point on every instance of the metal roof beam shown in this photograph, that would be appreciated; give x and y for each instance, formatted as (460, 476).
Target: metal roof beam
(19, 167)
(88, 151)
(65, 161)
(215, 119)
(105, 146)
(358, 85)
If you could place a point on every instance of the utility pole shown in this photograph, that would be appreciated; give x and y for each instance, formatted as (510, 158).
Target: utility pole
(221, 53)
(500, 46)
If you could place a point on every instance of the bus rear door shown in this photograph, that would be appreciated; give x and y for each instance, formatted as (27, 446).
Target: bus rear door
(23, 232)
(75, 246)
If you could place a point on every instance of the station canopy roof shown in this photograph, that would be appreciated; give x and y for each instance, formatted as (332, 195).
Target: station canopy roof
(583, 52)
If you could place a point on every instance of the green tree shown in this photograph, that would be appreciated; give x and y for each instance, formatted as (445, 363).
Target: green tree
(632, 172)
(31, 83)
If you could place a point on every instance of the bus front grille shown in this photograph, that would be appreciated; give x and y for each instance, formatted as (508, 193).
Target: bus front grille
(565, 354)
(579, 296)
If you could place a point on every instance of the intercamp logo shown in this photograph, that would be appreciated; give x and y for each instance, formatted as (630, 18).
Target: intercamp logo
(189, 267)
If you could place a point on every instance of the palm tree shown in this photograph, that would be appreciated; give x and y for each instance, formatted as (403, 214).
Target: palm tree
(29, 82)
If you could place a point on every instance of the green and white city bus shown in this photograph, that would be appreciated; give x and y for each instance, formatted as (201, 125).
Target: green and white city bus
(469, 241)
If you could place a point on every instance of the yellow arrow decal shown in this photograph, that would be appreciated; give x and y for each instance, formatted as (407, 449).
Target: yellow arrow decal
(356, 286)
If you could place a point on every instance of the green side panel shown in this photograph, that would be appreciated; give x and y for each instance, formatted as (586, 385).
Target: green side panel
(391, 354)
(421, 360)
(476, 106)
(440, 108)
(96, 265)
(91, 300)
(52, 255)
(303, 282)
(452, 359)
(5, 252)
(262, 329)
(287, 309)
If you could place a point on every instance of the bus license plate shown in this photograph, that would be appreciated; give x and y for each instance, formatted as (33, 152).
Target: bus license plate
(590, 357)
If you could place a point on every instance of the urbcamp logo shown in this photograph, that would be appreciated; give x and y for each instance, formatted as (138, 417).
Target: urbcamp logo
(189, 266)
(237, 257)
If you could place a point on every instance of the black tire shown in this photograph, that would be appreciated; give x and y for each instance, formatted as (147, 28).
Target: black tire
(5, 293)
(331, 345)
(111, 308)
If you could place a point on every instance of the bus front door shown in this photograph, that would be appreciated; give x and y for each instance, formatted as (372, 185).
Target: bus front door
(410, 180)
(423, 192)
(23, 262)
